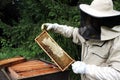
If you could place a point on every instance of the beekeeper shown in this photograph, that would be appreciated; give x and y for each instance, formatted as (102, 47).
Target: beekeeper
(99, 36)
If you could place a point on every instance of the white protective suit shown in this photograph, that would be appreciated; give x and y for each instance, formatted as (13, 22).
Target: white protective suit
(100, 58)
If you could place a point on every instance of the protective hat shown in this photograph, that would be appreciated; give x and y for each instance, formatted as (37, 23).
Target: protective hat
(100, 8)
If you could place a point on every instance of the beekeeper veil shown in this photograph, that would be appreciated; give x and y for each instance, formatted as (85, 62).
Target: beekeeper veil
(98, 17)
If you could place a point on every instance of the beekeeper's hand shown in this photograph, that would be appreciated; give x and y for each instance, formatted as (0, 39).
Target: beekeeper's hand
(47, 26)
(79, 67)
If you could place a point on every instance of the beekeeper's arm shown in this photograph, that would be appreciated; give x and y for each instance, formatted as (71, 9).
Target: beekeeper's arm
(67, 31)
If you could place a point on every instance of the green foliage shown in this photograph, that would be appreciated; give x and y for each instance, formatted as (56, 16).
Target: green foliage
(33, 14)
(116, 3)
(28, 54)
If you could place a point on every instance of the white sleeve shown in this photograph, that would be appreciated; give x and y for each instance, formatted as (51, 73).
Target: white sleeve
(102, 73)
(63, 29)
(69, 32)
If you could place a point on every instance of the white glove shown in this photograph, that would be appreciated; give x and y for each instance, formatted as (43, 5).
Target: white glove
(47, 26)
(79, 67)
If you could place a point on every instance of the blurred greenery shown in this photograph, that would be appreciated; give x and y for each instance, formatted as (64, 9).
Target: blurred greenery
(33, 13)
(17, 38)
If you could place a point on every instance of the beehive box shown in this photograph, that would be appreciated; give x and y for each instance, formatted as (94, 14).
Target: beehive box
(36, 70)
(11, 61)
(54, 51)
